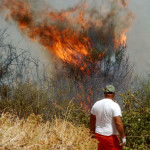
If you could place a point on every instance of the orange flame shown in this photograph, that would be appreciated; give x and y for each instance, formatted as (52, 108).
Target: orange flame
(123, 39)
(72, 35)
(61, 32)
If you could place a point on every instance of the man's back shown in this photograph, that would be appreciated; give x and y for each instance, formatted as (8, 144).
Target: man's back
(105, 110)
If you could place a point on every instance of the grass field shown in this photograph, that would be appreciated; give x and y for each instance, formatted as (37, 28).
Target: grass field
(35, 134)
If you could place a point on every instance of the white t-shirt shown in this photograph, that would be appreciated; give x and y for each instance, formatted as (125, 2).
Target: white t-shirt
(105, 110)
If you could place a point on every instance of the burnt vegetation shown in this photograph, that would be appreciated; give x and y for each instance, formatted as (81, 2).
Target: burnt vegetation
(91, 73)
(68, 91)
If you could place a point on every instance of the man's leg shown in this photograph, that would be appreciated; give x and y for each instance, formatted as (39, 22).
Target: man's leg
(108, 142)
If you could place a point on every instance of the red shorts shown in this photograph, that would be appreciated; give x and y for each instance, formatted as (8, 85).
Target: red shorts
(108, 142)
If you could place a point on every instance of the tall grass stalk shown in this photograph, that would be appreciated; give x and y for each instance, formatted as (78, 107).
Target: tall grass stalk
(35, 134)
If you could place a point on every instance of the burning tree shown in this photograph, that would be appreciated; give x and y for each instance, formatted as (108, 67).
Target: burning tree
(88, 41)
(86, 85)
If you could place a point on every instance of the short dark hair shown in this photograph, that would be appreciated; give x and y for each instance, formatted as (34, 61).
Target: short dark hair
(109, 92)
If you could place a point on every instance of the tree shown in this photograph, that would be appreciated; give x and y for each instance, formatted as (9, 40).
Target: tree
(86, 85)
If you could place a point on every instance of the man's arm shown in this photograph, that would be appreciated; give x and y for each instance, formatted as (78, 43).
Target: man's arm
(119, 125)
(92, 123)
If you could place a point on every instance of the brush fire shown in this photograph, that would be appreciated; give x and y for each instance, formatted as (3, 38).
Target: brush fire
(88, 40)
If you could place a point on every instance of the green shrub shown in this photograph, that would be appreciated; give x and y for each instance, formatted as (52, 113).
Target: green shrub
(136, 119)
(27, 98)
(137, 129)
(23, 99)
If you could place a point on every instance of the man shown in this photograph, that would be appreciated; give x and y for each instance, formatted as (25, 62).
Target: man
(105, 122)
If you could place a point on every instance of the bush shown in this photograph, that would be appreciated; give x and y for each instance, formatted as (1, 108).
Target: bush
(27, 98)
(136, 119)
(23, 99)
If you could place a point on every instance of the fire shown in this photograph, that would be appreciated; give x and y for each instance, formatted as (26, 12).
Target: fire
(123, 40)
(79, 36)
(64, 50)
(65, 34)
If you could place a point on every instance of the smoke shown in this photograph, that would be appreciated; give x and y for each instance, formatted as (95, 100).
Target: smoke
(138, 37)
(83, 37)
(70, 32)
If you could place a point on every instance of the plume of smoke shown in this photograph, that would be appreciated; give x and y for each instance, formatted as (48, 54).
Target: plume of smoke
(81, 35)
(109, 19)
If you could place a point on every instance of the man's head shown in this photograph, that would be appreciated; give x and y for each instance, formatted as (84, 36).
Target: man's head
(109, 91)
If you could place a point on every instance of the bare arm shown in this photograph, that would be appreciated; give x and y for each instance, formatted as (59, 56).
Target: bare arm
(92, 123)
(119, 125)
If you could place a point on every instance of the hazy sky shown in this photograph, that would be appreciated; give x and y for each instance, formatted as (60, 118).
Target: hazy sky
(138, 37)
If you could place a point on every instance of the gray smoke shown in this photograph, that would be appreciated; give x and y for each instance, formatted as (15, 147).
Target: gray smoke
(139, 35)
(137, 38)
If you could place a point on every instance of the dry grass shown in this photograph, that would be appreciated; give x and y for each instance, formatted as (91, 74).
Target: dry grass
(34, 134)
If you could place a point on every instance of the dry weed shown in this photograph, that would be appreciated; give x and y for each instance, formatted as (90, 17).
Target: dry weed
(34, 134)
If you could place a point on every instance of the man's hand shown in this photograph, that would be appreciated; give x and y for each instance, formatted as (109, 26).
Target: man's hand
(92, 134)
(123, 141)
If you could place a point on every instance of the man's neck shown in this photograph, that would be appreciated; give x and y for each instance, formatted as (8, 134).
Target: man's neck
(109, 96)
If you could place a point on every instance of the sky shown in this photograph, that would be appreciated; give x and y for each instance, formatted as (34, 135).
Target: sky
(138, 36)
